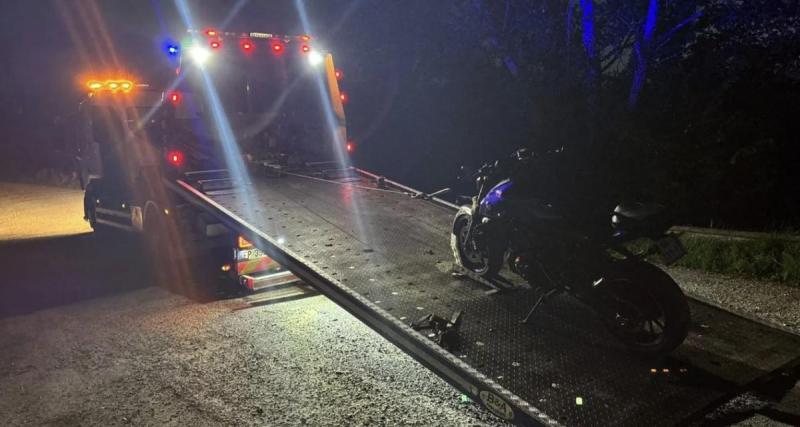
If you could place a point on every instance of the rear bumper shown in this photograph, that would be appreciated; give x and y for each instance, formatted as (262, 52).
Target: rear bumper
(262, 281)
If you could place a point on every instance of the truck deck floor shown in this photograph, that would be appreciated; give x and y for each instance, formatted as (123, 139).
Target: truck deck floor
(385, 256)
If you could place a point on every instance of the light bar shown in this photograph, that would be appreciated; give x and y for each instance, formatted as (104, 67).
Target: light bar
(120, 85)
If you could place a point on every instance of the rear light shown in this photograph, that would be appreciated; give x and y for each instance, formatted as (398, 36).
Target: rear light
(216, 44)
(343, 97)
(246, 45)
(225, 268)
(350, 147)
(175, 158)
(243, 243)
(339, 74)
(305, 48)
(175, 98)
(211, 32)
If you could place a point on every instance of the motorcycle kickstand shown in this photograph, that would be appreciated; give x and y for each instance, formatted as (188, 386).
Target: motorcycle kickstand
(537, 304)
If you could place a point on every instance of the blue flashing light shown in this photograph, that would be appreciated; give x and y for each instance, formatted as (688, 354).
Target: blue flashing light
(171, 47)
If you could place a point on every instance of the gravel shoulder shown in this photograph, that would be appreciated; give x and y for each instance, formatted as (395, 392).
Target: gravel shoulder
(770, 302)
(152, 357)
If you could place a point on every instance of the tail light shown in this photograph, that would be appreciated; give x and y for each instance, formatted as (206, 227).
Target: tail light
(175, 98)
(175, 158)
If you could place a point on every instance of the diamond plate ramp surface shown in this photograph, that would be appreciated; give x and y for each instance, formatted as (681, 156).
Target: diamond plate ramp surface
(394, 251)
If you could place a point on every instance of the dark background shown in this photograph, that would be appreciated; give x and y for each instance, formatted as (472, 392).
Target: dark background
(690, 103)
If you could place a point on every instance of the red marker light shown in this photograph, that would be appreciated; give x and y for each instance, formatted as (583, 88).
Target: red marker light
(216, 44)
(175, 98)
(343, 97)
(339, 74)
(246, 45)
(305, 48)
(350, 147)
(276, 46)
(175, 158)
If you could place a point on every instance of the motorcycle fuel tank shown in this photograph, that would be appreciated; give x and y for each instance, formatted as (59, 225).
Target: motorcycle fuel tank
(494, 203)
(507, 200)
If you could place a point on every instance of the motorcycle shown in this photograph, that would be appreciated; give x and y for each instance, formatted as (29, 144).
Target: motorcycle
(506, 223)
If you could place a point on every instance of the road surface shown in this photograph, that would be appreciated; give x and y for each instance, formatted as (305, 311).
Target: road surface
(86, 340)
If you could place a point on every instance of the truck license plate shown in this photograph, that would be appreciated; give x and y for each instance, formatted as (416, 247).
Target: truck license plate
(248, 254)
(671, 249)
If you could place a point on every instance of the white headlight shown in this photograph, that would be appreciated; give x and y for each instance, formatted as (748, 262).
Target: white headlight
(315, 58)
(199, 54)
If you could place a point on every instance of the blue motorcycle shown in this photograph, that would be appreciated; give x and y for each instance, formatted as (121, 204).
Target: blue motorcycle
(559, 250)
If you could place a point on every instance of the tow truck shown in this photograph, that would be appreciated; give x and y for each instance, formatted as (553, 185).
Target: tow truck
(132, 136)
(381, 250)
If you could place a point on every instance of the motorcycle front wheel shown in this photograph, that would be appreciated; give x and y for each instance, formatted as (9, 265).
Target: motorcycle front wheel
(644, 308)
(472, 254)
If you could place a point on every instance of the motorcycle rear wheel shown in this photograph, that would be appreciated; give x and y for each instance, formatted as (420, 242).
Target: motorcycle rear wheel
(650, 313)
(477, 258)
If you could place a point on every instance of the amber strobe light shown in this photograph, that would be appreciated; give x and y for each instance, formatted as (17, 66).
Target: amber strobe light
(113, 85)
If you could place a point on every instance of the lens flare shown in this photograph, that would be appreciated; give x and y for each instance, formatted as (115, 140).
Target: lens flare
(199, 55)
(315, 58)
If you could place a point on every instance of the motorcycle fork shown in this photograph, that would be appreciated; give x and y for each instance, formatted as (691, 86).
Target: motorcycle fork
(472, 218)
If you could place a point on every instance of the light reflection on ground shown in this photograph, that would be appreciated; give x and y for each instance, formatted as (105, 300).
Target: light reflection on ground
(24, 216)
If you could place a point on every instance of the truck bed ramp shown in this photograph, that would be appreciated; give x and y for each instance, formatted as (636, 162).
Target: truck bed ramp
(385, 257)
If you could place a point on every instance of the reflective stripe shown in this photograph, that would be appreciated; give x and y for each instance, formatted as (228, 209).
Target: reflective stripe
(255, 265)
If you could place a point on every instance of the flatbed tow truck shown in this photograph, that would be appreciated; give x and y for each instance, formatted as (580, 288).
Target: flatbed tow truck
(381, 250)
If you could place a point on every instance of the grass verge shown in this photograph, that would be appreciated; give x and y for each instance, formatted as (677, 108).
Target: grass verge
(770, 258)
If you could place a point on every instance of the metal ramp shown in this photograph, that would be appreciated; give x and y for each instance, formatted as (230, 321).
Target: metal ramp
(385, 257)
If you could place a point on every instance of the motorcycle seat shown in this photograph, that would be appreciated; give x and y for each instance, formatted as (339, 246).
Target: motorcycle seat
(638, 211)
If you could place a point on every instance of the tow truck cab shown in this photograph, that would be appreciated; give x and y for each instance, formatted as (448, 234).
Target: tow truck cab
(265, 98)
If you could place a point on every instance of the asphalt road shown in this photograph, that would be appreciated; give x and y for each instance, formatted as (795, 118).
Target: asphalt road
(86, 340)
